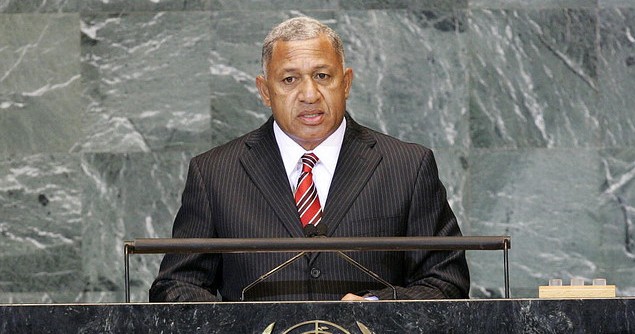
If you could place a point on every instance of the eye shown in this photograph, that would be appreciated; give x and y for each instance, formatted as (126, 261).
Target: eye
(288, 80)
(322, 76)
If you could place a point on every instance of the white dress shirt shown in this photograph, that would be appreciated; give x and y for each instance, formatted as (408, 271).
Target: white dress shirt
(328, 151)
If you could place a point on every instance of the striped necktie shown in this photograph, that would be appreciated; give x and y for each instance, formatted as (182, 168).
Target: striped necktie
(306, 196)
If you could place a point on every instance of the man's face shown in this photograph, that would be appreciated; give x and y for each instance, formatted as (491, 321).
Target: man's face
(306, 88)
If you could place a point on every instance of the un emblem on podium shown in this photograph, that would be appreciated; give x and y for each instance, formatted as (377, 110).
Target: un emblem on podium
(317, 327)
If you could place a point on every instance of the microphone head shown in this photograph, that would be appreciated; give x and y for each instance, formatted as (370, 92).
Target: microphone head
(318, 230)
(321, 229)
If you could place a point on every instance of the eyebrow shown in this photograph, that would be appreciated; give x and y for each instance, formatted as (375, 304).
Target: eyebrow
(295, 69)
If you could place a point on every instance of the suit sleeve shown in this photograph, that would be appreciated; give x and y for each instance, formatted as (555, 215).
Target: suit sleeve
(189, 277)
(431, 274)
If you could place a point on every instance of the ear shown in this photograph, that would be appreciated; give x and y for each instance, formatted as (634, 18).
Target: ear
(348, 81)
(263, 89)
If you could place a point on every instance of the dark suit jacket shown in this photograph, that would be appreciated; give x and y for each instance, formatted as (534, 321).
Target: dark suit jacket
(381, 187)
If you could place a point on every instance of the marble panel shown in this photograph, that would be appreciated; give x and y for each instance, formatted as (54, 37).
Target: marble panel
(618, 218)
(37, 6)
(38, 297)
(146, 82)
(434, 316)
(617, 76)
(410, 73)
(616, 3)
(532, 4)
(39, 83)
(256, 5)
(534, 78)
(125, 6)
(403, 4)
(453, 171)
(548, 201)
(235, 62)
(129, 196)
(40, 227)
(56, 296)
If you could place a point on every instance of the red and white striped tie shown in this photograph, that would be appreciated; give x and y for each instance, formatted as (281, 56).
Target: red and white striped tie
(306, 196)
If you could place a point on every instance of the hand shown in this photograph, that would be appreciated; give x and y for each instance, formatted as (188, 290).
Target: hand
(352, 297)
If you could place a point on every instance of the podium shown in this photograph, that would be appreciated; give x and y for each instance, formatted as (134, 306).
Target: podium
(443, 316)
(608, 315)
(338, 245)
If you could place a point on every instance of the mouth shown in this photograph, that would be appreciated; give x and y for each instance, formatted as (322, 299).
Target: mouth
(311, 116)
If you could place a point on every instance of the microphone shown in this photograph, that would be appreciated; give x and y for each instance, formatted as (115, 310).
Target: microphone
(310, 231)
(269, 273)
(319, 230)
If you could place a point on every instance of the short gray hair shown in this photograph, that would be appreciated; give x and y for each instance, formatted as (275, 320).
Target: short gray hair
(299, 29)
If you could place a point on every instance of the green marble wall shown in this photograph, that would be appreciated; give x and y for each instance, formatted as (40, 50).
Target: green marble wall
(529, 106)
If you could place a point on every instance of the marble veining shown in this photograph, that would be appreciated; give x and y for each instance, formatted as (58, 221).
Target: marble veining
(528, 106)
(40, 226)
(511, 316)
(39, 84)
(395, 98)
(534, 79)
(617, 46)
(127, 63)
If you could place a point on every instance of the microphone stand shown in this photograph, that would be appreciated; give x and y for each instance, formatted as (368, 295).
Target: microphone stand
(319, 231)
(330, 244)
(368, 272)
(269, 273)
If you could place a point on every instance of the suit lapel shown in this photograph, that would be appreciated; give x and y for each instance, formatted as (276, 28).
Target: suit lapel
(356, 164)
(263, 164)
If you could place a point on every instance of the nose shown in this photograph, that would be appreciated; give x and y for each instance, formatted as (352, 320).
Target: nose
(309, 92)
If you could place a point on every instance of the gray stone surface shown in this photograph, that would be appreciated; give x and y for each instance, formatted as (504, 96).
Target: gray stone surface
(534, 79)
(527, 104)
(449, 316)
(128, 196)
(533, 4)
(410, 74)
(617, 217)
(40, 225)
(146, 81)
(617, 78)
(38, 6)
(548, 201)
(40, 109)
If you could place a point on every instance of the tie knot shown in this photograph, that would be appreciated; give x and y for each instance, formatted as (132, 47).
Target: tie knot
(309, 160)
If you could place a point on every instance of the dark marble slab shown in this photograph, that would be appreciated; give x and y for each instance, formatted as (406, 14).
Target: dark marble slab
(549, 203)
(617, 78)
(38, 6)
(40, 224)
(534, 78)
(616, 3)
(410, 73)
(403, 4)
(146, 81)
(115, 211)
(468, 316)
(618, 217)
(534, 4)
(142, 5)
(528, 105)
(39, 83)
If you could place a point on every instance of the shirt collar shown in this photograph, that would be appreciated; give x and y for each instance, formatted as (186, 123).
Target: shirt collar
(328, 151)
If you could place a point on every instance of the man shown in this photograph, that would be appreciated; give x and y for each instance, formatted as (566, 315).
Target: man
(356, 183)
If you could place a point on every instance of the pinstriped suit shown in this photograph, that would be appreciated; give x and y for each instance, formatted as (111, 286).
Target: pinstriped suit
(381, 187)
